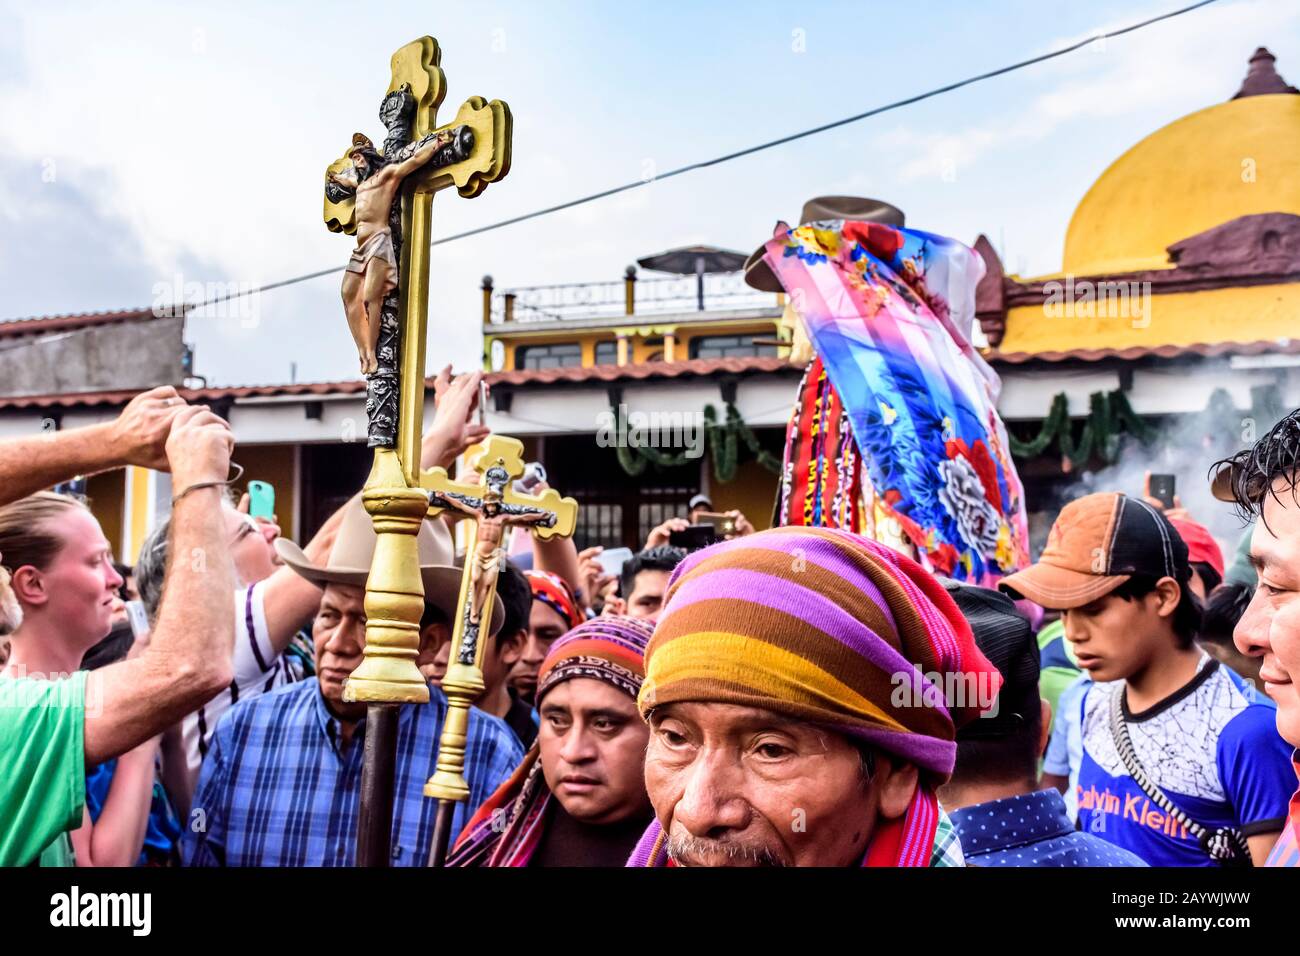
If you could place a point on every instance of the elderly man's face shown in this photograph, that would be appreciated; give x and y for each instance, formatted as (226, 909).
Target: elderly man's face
(742, 786)
(339, 635)
(1270, 628)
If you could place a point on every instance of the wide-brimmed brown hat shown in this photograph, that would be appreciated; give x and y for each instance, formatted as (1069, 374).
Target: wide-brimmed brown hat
(758, 273)
(354, 548)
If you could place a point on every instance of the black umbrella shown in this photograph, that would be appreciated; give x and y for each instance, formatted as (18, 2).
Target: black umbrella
(698, 261)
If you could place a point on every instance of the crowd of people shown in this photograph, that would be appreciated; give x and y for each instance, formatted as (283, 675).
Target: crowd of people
(795, 696)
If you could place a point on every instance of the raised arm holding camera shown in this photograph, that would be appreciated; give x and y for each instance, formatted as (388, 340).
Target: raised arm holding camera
(52, 729)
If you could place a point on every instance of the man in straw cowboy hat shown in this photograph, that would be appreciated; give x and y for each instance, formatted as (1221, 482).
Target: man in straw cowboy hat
(294, 756)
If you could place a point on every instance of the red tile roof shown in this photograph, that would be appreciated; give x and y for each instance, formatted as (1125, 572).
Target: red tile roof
(1202, 349)
(307, 390)
(599, 373)
(647, 371)
(15, 328)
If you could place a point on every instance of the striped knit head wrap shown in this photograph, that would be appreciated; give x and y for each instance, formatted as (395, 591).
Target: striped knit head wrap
(507, 828)
(611, 649)
(553, 591)
(827, 627)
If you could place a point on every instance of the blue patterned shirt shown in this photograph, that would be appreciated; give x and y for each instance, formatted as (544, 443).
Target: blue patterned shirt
(1033, 829)
(276, 788)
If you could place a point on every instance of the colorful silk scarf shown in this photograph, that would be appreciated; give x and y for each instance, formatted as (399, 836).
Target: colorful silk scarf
(886, 310)
(508, 826)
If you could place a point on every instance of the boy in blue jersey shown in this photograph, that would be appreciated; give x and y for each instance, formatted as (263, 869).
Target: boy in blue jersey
(1204, 739)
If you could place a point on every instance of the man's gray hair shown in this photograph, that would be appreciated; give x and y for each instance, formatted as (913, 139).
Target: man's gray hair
(151, 567)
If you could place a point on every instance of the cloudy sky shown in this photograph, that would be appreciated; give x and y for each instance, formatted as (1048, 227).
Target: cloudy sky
(149, 144)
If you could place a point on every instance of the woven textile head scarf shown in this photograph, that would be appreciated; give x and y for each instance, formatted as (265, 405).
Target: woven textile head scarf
(553, 591)
(508, 826)
(827, 627)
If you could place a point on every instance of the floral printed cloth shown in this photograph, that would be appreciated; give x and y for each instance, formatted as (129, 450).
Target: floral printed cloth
(888, 312)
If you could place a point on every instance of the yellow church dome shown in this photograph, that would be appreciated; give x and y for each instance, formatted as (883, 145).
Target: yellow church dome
(1234, 159)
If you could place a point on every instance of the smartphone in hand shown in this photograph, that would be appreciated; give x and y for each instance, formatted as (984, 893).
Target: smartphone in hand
(1161, 488)
(724, 525)
(693, 537)
(611, 562)
(261, 499)
(138, 618)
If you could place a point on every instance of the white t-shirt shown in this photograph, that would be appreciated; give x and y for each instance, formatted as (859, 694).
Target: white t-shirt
(257, 666)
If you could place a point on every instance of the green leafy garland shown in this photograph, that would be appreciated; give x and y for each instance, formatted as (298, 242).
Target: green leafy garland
(1109, 417)
(724, 439)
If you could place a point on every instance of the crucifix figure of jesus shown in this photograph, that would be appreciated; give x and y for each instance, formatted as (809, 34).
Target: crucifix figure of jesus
(372, 268)
(493, 515)
(384, 197)
(488, 508)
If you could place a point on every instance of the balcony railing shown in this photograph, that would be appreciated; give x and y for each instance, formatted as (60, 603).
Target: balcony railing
(629, 296)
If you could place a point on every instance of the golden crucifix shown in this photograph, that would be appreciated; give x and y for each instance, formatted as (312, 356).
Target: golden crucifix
(386, 292)
(489, 508)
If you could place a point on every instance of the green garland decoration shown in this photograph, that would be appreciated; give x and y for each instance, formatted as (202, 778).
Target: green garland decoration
(1110, 417)
(723, 439)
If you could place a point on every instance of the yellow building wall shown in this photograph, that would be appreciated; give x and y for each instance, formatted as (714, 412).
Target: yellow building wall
(1238, 314)
(135, 519)
(753, 491)
(638, 348)
(106, 494)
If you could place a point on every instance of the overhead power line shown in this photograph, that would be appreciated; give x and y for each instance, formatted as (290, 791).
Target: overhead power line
(749, 151)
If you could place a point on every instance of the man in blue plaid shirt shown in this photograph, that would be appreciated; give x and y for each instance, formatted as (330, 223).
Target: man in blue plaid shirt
(281, 781)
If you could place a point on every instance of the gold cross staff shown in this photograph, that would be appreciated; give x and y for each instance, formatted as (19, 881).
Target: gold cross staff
(489, 507)
(470, 153)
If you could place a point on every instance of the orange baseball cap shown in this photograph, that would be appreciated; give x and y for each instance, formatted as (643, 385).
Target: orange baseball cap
(1096, 544)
